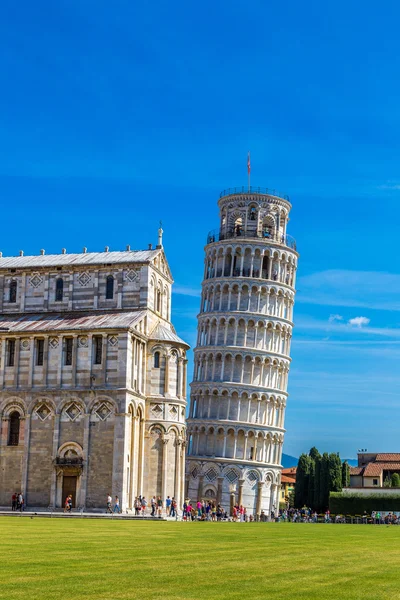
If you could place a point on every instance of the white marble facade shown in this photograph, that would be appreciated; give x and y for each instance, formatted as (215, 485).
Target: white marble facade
(92, 379)
(242, 358)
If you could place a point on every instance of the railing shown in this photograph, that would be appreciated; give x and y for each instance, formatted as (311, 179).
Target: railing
(69, 461)
(252, 190)
(279, 238)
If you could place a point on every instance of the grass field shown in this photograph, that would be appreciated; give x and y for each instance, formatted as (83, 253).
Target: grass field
(108, 560)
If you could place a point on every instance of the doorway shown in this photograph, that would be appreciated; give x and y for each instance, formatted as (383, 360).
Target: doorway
(69, 488)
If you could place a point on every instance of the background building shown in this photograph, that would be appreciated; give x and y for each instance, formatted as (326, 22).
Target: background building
(92, 378)
(374, 469)
(242, 358)
(288, 484)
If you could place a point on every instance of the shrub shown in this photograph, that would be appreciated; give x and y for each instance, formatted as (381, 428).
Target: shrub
(353, 504)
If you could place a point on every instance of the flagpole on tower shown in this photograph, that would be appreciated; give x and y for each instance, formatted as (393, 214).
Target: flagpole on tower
(248, 169)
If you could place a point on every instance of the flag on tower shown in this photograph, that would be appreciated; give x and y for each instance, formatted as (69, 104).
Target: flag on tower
(248, 163)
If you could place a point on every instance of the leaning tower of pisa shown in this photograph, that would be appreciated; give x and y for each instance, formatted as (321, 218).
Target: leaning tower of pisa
(242, 357)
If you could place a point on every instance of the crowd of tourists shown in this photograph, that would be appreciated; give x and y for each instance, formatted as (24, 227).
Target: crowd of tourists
(202, 510)
(17, 502)
(306, 515)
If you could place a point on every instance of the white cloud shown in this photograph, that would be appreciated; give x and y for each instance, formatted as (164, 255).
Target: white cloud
(310, 324)
(333, 318)
(359, 321)
(184, 290)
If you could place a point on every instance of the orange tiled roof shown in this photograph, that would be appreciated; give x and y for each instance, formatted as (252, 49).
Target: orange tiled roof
(391, 457)
(356, 470)
(374, 469)
(290, 471)
(286, 479)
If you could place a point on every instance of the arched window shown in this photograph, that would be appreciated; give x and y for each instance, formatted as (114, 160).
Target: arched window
(13, 291)
(238, 228)
(158, 309)
(13, 435)
(59, 289)
(156, 360)
(252, 213)
(110, 287)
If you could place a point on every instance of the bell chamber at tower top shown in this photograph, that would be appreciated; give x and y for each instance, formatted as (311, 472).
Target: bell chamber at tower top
(253, 215)
(253, 223)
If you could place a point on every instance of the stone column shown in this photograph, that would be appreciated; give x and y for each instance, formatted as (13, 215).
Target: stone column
(2, 363)
(241, 484)
(119, 454)
(141, 427)
(260, 486)
(187, 480)
(272, 505)
(246, 437)
(74, 359)
(200, 487)
(184, 377)
(165, 441)
(56, 435)
(86, 458)
(104, 361)
(25, 465)
(45, 360)
(182, 474)
(177, 486)
(166, 380)
(219, 489)
(16, 360)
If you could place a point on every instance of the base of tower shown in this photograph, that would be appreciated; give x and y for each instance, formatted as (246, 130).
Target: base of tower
(255, 488)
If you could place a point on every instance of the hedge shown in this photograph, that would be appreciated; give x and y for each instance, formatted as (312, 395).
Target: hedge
(355, 504)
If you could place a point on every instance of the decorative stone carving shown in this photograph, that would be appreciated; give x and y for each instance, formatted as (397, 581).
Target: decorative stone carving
(103, 411)
(232, 476)
(83, 341)
(132, 275)
(25, 344)
(156, 410)
(53, 342)
(73, 411)
(113, 341)
(173, 411)
(43, 411)
(211, 474)
(84, 278)
(35, 280)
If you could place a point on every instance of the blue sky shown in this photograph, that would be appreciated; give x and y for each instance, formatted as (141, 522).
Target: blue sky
(114, 116)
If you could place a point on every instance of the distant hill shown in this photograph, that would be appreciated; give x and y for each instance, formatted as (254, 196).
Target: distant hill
(289, 461)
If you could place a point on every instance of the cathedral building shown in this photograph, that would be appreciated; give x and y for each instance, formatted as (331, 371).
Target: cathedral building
(242, 358)
(92, 379)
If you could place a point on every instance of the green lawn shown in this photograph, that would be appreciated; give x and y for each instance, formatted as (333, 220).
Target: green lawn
(77, 559)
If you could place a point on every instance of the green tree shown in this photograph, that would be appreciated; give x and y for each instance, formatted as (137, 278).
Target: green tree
(324, 483)
(314, 454)
(335, 473)
(316, 502)
(302, 480)
(345, 474)
(395, 480)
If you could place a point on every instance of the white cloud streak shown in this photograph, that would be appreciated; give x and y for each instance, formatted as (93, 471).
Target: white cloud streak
(362, 289)
(184, 290)
(333, 318)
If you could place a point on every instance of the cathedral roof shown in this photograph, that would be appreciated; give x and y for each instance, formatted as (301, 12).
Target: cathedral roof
(163, 334)
(70, 321)
(85, 258)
